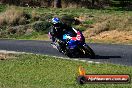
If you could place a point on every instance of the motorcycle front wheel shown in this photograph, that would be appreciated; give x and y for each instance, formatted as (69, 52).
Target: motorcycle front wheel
(89, 51)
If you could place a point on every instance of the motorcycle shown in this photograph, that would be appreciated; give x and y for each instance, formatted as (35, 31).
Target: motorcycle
(73, 47)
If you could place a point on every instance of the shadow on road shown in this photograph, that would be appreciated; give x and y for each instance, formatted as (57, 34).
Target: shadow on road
(99, 57)
(105, 57)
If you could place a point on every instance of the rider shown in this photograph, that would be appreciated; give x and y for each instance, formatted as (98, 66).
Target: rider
(58, 29)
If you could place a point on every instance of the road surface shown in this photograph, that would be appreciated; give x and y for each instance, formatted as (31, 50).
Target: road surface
(117, 54)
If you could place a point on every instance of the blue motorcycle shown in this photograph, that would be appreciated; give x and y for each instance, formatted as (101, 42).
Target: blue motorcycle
(74, 46)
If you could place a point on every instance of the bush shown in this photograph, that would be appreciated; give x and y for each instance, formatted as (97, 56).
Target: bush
(68, 19)
(2, 28)
(46, 17)
(3, 32)
(41, 26)
(18, 30)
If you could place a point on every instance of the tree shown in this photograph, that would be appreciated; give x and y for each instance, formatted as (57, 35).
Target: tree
(57, 3)
(95, 1)
(124, 3)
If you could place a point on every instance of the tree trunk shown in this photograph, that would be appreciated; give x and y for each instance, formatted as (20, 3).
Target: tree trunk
(57, 3)
(49, 3)
(122, 3)
(93, 1)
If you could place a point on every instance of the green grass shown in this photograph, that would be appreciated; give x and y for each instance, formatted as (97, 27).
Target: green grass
(32, 36)
(37, 71)
(29, 36)
(2, 8)
(88, 22)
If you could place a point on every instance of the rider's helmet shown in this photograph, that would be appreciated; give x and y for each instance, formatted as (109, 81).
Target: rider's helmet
(56, 22)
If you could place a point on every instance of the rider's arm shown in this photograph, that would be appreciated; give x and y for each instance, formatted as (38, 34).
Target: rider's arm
(78, 36)
(74, 30)
(52, 32)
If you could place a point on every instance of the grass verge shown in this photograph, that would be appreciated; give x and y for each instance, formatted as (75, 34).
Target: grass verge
(38, 71)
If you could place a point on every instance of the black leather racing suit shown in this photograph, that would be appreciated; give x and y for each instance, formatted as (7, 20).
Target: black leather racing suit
(59, 32)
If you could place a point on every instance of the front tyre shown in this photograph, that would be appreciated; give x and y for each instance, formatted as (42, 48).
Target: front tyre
(89, 51)
(69, 54)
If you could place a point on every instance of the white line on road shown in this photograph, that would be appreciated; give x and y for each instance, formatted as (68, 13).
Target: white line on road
(75, 59)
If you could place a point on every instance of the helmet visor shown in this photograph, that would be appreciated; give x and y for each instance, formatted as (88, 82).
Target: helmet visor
(57, 25)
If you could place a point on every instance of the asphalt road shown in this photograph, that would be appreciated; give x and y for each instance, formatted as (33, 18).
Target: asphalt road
(117, 54)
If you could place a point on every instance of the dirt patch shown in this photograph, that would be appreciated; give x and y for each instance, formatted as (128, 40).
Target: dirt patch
(109, 28)
(113, 36)
(5, 56)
